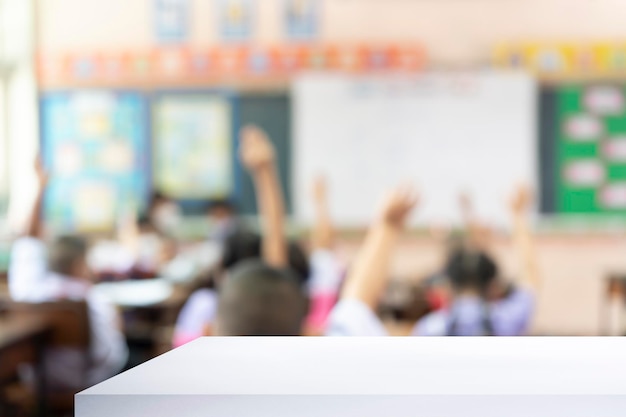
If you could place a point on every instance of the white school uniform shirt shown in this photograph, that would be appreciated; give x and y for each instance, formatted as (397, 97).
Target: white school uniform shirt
(30, 281)
(509, 317)
(352, 317)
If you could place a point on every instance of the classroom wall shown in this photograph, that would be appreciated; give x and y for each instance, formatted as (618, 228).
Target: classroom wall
(454, 31)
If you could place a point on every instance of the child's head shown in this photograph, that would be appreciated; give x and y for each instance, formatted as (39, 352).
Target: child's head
(163, 212)
(222, 216)
(471, 271)
(258, 300)
(67, 255)
(145, 225)
(221, 210)
(238, 247)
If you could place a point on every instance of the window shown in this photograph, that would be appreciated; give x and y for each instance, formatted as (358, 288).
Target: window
(18, 107)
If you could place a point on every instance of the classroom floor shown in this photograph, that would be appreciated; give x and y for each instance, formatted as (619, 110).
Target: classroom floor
(573, 268)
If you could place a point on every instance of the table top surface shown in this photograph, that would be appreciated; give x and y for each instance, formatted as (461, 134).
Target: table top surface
(380, 366)
(14, 329)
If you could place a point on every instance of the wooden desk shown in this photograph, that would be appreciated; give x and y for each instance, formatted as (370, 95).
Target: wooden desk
(22, 341)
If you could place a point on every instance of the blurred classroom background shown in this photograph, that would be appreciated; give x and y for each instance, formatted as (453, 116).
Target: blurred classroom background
(125, 100)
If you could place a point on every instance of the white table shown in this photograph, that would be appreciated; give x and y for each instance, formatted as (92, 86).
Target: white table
(350, 377)
(136, 293)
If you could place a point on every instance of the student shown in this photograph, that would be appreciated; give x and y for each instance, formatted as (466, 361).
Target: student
(481, 304)
(196, 318)
(61, 273)
(153, 249)
(327, 270)
(163, 214)
(145, 245)
(263, 297)
(206, 312)
(223, 219)
(258, 299)
(368, 276)
(474, 234)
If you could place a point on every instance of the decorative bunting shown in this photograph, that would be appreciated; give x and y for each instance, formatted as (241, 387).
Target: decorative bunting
(178, 64)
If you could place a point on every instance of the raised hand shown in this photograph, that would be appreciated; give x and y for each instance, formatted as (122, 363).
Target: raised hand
(523, 237)
(369, 274)
(398, 205)
(521, 200)
(466, 203)
(256, 151)
(42, 173)
(257, 155)
(320, 191)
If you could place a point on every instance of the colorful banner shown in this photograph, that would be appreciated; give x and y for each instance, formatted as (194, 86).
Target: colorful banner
(177, 64)
(563, 59)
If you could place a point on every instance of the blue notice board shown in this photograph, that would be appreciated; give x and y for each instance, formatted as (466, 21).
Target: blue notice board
(95, 144)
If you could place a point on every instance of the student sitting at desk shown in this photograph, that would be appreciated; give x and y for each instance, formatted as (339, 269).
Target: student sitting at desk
(163, 214)
(263, 297)
(321, 281)
(197, 316)
(223, 220)
(480, 304)
(60, 272)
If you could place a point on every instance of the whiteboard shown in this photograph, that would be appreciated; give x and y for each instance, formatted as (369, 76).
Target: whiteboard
(448, 133)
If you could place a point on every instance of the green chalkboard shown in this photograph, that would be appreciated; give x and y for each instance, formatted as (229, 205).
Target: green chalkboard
(591, 149)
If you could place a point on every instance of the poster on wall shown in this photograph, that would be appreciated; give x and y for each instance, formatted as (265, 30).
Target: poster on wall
(236, 19)
(591, 149)
(171, 19)
(193, 142)
(95, 145)
(301, 19)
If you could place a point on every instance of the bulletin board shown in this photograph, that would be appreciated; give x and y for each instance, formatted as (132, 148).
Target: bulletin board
(591, 149)
(194, 139)
(447, 133)
(95, 144)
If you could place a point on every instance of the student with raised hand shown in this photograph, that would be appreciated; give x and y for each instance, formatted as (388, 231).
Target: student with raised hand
(59, 272)
(257, 155)
(367, 279)
(483, 304)
(197, 317)
(523, 240)
(261, 278)
(263, 297)
(326, 269)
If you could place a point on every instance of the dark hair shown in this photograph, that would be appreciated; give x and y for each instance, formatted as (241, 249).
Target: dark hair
(298, 262)
(404, 301)
(244, 245)
(468, 269)
(65, 253)
(240, 246)
(144, 222)
(222, 204)
(258, 300)
(154, 200)
(157, 197)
